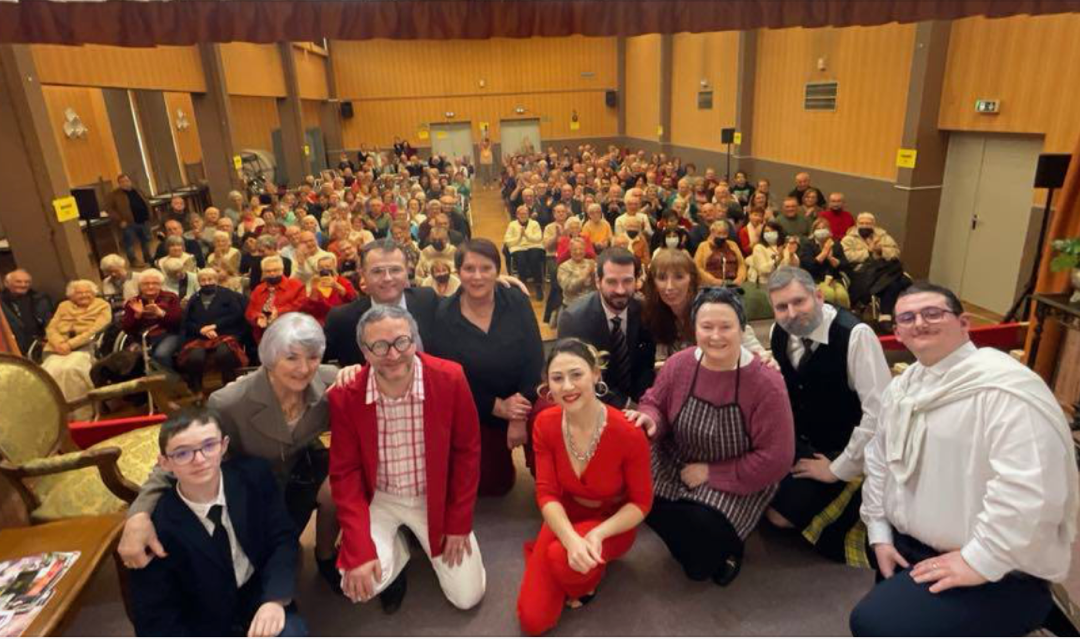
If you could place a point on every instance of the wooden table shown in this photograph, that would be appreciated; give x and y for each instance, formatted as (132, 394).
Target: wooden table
(94, 537)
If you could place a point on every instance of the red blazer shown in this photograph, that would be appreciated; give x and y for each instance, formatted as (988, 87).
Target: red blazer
(562, 249)
(452, 458)
(290, 297)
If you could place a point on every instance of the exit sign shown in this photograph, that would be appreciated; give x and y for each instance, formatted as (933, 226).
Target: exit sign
(987, 106)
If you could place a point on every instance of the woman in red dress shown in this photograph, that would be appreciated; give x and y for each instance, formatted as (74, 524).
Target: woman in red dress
(593, 486)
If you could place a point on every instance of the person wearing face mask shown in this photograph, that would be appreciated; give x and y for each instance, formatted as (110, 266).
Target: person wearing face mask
(672, 238)
(835, 373)
(824, 259)
(719, 259)
(213, 329)
(442, 280)
(327, 290)
(638, 242)
(439, 249)
(772, 252)
(722, 433)
(874, 257)
(274, 296)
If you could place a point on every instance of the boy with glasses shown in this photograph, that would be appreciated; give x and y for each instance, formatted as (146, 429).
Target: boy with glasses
(230, 567)
(970, 497)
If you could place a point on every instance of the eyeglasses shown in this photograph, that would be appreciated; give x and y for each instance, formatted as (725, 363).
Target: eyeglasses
(387, 271)
(382, 347)
(930, 315)
(210, 448)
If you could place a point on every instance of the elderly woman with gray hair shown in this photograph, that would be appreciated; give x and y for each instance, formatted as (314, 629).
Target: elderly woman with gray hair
(156, 313)
(213, 331)
(70, 333)
(276, 413)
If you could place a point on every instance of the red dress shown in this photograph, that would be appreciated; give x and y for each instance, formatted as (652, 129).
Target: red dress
(618, 473)
(288, 296)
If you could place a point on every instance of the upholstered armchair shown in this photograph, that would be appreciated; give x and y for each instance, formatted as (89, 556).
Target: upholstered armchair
(55, 484)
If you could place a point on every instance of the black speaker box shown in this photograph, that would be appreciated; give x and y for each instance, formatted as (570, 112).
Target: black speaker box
(346, 109)
(611, 98)
(727, 136)
(1050, 174)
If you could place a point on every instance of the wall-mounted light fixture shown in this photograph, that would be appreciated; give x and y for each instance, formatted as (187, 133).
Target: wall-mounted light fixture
(182, 123)
(449, 115)
(704, 83)
(73, 125)
(519, 110)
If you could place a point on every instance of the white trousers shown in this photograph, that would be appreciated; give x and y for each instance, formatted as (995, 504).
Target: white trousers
(463, 584)
(72, 375)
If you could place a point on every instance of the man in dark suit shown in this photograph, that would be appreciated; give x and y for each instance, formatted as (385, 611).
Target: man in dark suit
(384, 265)
(232, 550)
(610, 320)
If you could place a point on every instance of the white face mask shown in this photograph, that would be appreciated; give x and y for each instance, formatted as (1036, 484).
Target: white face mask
(771, 237)
(672, 241)
(822, 234)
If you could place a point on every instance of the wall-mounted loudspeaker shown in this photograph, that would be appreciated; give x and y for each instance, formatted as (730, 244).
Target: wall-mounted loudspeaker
(611, 98)
(727, 136)
(346, 109)
(1050, 173)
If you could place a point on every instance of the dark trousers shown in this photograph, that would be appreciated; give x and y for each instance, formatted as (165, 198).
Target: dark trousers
(311, 469)
(529, 265)
(221, 359)
(898, 606)
(699, 538)
(497, 472)
(140, 233)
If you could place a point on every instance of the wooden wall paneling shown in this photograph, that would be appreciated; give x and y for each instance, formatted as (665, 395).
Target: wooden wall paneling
(253, 120)
(90, 158)
(642, 87)
(253, 69)
(1032, 64)
(187, 140)
(712, 57)
(311, 74)
(164, 68)
(310, 110)
(872, 66)
(400, 68)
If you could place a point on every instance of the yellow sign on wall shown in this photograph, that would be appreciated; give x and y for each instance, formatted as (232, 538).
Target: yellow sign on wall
(237, 162)
(307, 150)
(422, 134)
(574, 125)
(66, 208)
(905, 158)
(659, 130)
(484, 126)
(738, 137)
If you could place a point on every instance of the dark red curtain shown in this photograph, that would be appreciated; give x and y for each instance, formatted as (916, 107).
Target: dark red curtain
(149, 22)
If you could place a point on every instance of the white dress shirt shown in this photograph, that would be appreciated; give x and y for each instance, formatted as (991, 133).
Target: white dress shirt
(995, 476)
(867, 374)
(241, 564)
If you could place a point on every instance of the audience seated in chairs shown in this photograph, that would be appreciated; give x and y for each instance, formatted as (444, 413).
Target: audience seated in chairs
(327, 290)
(174, 248)
(152, 318)
(226, 260)
(192, 248)
(213, 331)
(792, 220)
(276, 295)
(267, 247)
(823, 257)
(775, 249)
(442, 280)
(523, 241)
(27, 311)
(719, 258)
(438, 249)
(70, 334)
(876, 271)
(572, 230)
(177, 280)
(307, 257)
(118, 283)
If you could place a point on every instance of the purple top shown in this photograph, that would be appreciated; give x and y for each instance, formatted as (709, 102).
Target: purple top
(765, 407)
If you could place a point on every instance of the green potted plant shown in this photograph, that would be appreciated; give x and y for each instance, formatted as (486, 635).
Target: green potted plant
(1067, 257)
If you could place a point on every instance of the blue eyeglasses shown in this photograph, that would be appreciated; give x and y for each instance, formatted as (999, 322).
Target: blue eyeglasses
(209, 449)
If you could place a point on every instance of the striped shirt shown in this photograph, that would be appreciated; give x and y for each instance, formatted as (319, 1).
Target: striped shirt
(401, 468)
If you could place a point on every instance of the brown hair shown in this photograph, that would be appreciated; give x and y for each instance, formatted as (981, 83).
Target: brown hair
(482, 247)
(658, 317)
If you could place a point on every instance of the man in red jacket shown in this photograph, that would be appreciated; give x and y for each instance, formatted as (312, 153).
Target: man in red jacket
(405, 452)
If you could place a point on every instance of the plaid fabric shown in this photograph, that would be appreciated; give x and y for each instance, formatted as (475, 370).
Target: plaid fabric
(838, 531)
(401, 468)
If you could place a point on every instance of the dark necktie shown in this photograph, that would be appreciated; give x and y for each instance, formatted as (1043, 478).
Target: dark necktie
(620, 357)
(807, 343)
(220, 537)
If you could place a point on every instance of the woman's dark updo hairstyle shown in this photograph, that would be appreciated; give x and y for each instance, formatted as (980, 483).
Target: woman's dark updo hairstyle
(574, 346)
(718, 295)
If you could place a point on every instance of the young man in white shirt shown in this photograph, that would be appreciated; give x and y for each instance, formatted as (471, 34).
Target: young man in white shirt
(970, 497)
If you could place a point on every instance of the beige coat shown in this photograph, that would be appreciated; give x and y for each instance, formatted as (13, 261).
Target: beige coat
(82, 322)
(857, 250)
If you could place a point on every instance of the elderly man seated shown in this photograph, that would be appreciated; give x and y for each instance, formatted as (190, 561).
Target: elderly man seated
(874, 258)
(118, 283)
(27, 311)
(70, 333)
(178, 279)
(173, 228)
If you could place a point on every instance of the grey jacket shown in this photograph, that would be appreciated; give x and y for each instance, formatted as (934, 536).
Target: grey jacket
(253, 421)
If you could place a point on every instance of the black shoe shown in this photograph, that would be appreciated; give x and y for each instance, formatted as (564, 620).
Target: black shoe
(728, 571)
(391, 598)
(539, 292)
(328, 570)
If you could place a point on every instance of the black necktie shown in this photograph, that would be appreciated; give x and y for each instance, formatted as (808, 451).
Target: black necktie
(620, 357)
(220, 537)
(807, 343)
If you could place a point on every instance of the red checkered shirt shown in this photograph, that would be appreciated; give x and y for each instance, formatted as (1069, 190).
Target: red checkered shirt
(401, 469)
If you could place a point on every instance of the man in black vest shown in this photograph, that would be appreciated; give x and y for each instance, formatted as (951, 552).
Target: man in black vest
(835, 372)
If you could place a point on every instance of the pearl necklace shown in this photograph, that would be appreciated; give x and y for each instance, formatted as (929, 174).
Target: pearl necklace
(593, 443)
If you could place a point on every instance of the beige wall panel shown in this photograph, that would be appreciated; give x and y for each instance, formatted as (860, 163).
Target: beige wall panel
(1032, 64)
(90, 158)
(642, 94)
(426, 68)
(253, 120)
(164, 68)
(253, 69)
(872, 66)
(187, 141)
(377, 122)
(311, 74)
(712, 57)
(309, 113)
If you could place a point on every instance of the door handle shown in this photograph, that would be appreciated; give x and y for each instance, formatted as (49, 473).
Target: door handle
(974, 221)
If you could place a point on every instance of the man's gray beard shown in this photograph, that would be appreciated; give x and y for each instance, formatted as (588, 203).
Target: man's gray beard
(804, 330)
